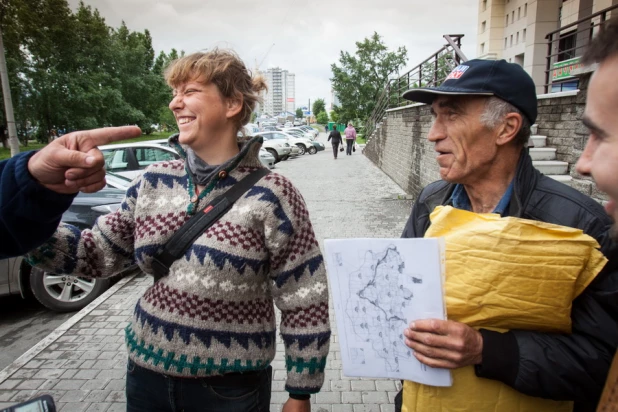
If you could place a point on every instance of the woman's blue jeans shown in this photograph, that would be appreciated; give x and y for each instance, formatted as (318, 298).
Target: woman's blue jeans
(149, 391)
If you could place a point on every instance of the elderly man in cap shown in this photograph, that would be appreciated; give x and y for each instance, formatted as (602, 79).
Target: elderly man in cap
(482, 117)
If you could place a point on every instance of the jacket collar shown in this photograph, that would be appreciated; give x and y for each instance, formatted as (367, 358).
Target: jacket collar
(526, 178)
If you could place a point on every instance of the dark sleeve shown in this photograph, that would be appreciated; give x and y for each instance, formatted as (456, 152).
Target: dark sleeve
(29, 212)
(417, 223)
(561, 366)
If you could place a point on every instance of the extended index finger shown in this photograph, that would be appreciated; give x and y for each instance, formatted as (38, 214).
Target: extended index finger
(106, 135)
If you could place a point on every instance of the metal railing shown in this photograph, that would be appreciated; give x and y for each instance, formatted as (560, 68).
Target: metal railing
(568, 43)
(429, 73)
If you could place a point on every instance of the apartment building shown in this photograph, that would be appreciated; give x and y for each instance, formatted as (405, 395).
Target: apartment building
(281, 94)
(515, 30)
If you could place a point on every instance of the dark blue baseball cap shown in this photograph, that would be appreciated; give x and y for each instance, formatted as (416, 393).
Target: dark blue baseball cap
(508, 81)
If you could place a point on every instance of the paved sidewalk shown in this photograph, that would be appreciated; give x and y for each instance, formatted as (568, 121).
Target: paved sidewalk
(83, 363)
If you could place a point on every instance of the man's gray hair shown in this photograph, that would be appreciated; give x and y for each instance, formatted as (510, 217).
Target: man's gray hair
(495, 111)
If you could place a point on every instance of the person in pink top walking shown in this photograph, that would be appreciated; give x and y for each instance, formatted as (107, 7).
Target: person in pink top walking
(350, 138)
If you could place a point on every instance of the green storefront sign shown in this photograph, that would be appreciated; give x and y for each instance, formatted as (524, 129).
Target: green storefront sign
(563, 69)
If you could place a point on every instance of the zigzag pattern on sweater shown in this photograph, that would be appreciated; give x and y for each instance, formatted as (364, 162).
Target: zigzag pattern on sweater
(294, 197)
(236, 235)
(306, 340)
(256, 311)
(180, 363)
(204, 335)
(267, 195)
(132, 193)
(312, 264)
(313, 365)
(220, 258)
(155, 179)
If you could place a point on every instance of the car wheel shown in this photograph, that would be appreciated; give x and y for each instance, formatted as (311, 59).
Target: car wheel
(312, 150)
(275, 154)
(302, 148)
(65, 293)
(286, 157)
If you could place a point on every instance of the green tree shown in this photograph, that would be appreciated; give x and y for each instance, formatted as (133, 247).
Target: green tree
(359, 79)
(318, 107)
(334, 116)
(322, 118)
(299, 113)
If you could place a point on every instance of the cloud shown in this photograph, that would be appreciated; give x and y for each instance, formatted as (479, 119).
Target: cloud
(308, 36)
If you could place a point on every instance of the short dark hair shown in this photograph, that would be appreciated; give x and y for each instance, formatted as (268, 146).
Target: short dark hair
(604, 45)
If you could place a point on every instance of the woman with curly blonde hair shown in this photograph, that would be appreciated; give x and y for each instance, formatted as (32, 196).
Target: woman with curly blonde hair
(203, 337)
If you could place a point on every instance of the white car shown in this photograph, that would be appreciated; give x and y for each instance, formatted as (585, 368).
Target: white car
(297, 131)
(309, 129)
(302, 144)
(130, 159)
(288, 124)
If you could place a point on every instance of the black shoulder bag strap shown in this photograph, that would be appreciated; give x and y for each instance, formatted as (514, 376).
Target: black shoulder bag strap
(178, 244)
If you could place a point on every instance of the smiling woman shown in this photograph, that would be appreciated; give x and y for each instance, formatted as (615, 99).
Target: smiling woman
(210, 322)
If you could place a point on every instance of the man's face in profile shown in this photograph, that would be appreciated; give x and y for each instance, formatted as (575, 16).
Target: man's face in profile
(600, 156)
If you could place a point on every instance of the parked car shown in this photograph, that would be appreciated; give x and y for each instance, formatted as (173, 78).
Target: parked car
(297, 131)
(304, 145)
(59, 292)
(130, 159)
(318, 145)
(267, 158)
(280, 150)
(288, 124)
(310, 130)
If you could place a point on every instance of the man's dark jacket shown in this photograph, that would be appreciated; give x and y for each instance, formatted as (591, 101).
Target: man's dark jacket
(554, 366)
(29, 212)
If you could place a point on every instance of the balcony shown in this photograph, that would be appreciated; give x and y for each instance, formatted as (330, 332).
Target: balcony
(566, 45)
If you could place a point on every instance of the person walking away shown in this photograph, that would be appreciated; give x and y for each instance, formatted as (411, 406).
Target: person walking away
(350, 138)
(203, 336)
(337, 139)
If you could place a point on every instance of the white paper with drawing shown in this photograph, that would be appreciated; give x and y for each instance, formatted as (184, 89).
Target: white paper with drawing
(379, 286)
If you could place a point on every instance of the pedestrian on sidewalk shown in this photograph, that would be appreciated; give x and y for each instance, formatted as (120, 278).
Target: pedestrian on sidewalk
(203, 336)
(350, 138)
(600, 156)
(337, 140)
(482, 117)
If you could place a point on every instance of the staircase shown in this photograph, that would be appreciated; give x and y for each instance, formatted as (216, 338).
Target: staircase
(544, 159)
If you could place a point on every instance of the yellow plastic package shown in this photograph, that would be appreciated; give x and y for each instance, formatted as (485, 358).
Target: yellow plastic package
(501, 274)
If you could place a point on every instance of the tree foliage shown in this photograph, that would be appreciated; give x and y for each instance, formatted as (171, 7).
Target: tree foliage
(299, 113)
(334, 116)
(359, 79)
(322, 118)
(71, 71)
(318, 107)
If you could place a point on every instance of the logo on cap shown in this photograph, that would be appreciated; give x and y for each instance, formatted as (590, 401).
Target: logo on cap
(457, 72)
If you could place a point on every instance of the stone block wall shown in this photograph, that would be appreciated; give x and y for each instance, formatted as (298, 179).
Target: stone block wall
(400, 147)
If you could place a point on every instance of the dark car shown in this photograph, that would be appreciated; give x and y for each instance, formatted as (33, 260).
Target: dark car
(59, 292)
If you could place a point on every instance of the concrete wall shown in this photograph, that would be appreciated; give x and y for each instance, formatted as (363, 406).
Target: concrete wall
(400, 147)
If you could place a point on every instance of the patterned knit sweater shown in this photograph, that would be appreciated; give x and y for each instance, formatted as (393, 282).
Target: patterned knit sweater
(213, 314)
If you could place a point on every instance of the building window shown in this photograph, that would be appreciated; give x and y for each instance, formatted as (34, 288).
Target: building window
(566, 45)
(525, 9)
(511, 40)
(483, 26)
(505, 42)
(517, 38)
(523, 36)
(482, 48)
(484, 5)
(513, 17)
(506, 24)
(518, 13)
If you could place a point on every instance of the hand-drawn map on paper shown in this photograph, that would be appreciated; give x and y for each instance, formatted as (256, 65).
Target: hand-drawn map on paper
(379, 286)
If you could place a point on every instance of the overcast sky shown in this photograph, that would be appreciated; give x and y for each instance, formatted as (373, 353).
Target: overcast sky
(307, 35)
